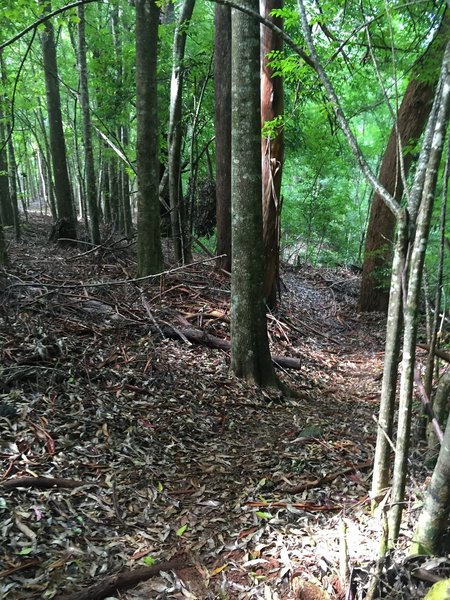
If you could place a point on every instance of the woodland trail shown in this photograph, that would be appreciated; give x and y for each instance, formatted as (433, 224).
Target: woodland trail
(168, 455)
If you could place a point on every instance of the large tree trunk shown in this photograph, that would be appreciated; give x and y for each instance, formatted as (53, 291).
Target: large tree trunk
(91, 184)
(178, 214)
(222, 93)
(250, 354)
(272, 106)
(147, 164)
(63, 191)
(411, 120)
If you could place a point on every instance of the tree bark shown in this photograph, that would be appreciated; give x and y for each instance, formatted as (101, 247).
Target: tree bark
(272, 150)
(91, 184)
(250, 354)
(411, 119)
(411, 305)
(147, 164)
(178, 214)
(222, 94)
(433, 519)
(63, 191)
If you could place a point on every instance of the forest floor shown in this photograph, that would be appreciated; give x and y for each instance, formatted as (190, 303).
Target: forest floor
(159, 455)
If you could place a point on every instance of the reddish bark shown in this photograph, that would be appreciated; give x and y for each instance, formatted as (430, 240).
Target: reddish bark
(272, 106)
(412, 116)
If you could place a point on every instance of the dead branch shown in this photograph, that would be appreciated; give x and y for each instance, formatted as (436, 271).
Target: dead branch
(201, 337)
(43, 483)
(122, 581)
(440, 353)
(306, 485)
(302, 505)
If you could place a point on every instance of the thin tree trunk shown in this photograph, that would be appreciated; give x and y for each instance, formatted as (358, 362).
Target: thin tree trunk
(222, 94)
(382, 460)
(411, 308)
(125, 184)
(177, 205)
(272, 107)
(91, 184)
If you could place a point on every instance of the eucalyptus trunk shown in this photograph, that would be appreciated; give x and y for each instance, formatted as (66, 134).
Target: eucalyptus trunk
(272, 150)
(91, 184)
(410, 122)
(180, 234)
(147, 164)
(63, 190)
(250, 354)
(222, 96)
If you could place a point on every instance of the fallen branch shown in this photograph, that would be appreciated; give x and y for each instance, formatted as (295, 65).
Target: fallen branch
(306, 485)
(201, 337)
(302, 505)
(440, 353)
(115, 583)
(43, 483)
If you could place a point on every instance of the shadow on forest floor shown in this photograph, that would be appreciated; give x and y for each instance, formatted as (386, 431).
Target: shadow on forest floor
(159, 453)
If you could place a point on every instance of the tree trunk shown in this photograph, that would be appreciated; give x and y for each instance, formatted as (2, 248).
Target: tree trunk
(147, 164)
(3, 253)
(411, 305)
(125, 189)
(411, 119)
(178, 214)
(63, 191)
(440, 408)
(433, 519)
(6, 211)
(382, 460)
(10, 156)
(222, 94)
(91, 184)
(272, 147)
(250, 354)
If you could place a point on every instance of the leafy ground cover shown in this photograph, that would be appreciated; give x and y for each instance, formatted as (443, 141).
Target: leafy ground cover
(164, 464)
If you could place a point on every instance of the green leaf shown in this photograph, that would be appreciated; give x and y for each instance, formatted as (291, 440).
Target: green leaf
(439, 591)
(149, 560)
(182, 529)
(25, 551)
(263, 515)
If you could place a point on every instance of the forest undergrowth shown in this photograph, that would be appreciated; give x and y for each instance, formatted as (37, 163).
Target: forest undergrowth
(165, 468)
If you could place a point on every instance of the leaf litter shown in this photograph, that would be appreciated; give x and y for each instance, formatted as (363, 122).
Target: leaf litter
(133, 448)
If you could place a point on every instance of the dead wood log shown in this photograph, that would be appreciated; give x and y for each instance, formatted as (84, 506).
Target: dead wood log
(201, 337)
(440, 353)
(122, 581)
(43, 483)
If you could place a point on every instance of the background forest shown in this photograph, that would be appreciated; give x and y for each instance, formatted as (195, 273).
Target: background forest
(259, 139)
